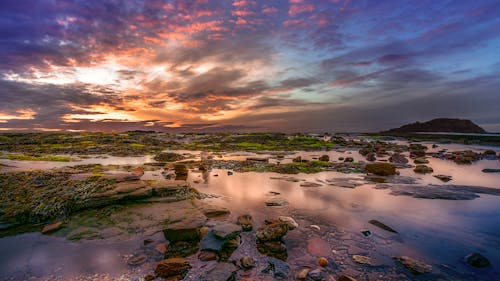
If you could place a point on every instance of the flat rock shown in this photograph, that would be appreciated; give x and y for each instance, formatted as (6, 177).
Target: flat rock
(415, 266)
(227, 230)
(445, 192)
(185, 230)
(273, 231)
(362, 259)
(310, 184)
(212, 211)
(278, 201)
(443, 178)
(220, 272)
(212, 242)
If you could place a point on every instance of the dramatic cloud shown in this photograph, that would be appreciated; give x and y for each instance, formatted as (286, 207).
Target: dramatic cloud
(246, 65)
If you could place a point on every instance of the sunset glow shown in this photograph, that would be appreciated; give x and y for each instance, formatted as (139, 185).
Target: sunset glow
(247, 65)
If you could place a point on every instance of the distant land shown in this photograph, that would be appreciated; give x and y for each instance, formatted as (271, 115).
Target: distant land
(440, 125)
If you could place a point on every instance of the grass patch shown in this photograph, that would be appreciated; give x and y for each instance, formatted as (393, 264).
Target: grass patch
(24, 157)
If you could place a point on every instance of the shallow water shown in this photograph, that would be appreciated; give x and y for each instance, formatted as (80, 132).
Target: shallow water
(441, 232)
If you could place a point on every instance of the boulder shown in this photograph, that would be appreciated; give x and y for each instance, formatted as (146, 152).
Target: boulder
(207, 256)
(349, 159)
(227, 230)
(381, 169)
(477, 260)
(398, 159)
(421, 160)
(273, 231)
(290, 222)
(324, 158)
(172, 267)
(423, 169)
(184, 230)
(247, 262)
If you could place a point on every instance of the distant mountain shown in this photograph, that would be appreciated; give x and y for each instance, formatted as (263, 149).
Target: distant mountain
(448, 125)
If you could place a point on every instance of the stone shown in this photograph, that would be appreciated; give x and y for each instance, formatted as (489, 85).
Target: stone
(297, 159)
(52, 227)
(349, 159)
(423, 169)
(316, 275)
(273, 231)
(323, 262)
(382, 225)
(421, 160)
(181, 171)
(371, 157)
(381, 169)
(184, 230)
(247, 262)
(477, 260)
(310, 184)
(204, 230)
(324, 158)
(415, 266)
(345, 278)
(149, 277)
(443, 178)
(207, 256)
(161, 248)
(213, 211)
(302, 275)
(362, 259)
(137, 260)
(366, 233)
(182, 249)
(278, 201)
(172, 267)
(245, 221)
(398, 159)
(220, 272)
(227, 230)
(290, 222)
(490, 170)
(211, 242)
(278, 268)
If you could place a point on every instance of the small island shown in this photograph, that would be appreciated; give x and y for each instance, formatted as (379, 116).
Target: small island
(440, 125)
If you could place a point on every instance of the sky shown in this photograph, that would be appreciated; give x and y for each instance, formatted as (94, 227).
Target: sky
(247, 65)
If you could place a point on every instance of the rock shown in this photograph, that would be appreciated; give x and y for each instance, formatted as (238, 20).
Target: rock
(121, 176)
(310, 184)
(313, 226)
(161, 248)
(381, 169)
(290, 222)
(273, 248)
(322, 262)
(415, 266)
(398, 159)
(138, 171)
(297, 159)
(184, 230)
(341, 158)
(182, 249)
(204, 230)
(147, 241)
(273, 231)
(417, 153)
(302, 275)
(423, 169)
(207, 256)
(220, 272)
(421, 160)
(229, 173)
(52, 227)
(278, 201)
(149, 277)
(362, 259)
(247, 262)
(172, 267)
(316, 275)
(446, 192)
(451, 125)
(371, 157)
(490, 155)
(490, 170)
(213, 211)
(278, 268)
(345, 278)
(324, 158)
(349, 159)
(366, 233)
(211, 242)
(443, 178)
(477, 260)
(245, 221)
(382, 225)
(227, 230)
(137, 260)
(168, 157)
(181, 171)
(258, 159)
(318, 247)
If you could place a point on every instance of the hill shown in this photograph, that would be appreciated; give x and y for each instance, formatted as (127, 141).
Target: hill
(448, 125)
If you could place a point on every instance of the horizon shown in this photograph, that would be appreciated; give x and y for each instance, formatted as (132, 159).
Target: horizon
(246, 65)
